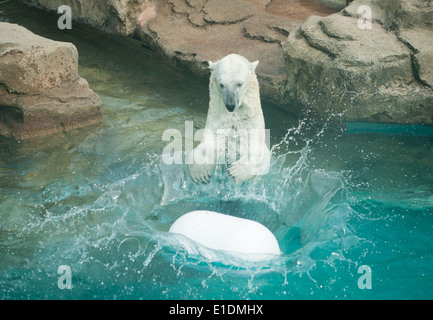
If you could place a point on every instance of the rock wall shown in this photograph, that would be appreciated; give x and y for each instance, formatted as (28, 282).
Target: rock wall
(114, 16)
(382, 74)
(40, 89)
(312, 57)
(191, 32)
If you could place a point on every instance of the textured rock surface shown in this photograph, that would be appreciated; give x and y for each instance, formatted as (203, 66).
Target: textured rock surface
(382, 74)
(312, 57)
(191, 32)
(209, 30)
(234, 11)
(114, 16)
(40, 89)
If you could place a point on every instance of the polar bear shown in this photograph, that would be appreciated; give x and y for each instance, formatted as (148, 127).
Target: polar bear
(234, 133)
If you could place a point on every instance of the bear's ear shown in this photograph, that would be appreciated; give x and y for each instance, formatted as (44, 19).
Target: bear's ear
(212, 65)
(253, 65)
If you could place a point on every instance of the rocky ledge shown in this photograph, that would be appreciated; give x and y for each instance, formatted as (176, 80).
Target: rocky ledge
(189, 33)
(40, 89)
(380, 74)
(312, 57)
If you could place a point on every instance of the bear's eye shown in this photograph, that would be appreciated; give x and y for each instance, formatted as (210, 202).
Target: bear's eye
(221, 86)
(238, 84)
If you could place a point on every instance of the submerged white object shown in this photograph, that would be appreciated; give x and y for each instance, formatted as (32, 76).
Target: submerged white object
(219, 231)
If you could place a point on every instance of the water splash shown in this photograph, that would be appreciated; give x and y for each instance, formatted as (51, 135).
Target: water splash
(295, 201)
(111, 225)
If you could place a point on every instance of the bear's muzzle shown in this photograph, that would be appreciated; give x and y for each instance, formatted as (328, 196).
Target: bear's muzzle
(230, 99)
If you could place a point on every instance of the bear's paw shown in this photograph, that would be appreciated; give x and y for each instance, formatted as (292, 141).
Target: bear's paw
(200, 173)
(239, 172)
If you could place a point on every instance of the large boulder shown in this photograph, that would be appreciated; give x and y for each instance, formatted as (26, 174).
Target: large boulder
(382, 74)
(40, 89)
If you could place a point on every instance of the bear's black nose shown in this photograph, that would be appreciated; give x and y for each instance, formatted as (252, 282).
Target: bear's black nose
(230, 107)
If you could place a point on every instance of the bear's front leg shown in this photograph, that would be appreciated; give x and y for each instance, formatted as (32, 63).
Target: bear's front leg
(257, 163)
(239, 172)
(201, 163)
(200, 173)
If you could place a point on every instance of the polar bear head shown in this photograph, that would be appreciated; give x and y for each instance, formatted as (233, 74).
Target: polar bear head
(232, 75)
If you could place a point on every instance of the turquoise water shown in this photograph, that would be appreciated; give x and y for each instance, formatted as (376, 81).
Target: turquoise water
(99, 200)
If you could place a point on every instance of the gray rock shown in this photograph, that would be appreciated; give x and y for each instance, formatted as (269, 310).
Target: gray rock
(420, 41)
(415, 14)
(114, 16)
(334, 67)
(269, 28)
(40, 89)
(181, 6)
(197, 4)
(197, 19)
(383, 12)
(227, 11)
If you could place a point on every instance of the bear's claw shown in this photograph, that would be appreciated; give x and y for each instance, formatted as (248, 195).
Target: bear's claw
(238, 172)
(200, 174)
